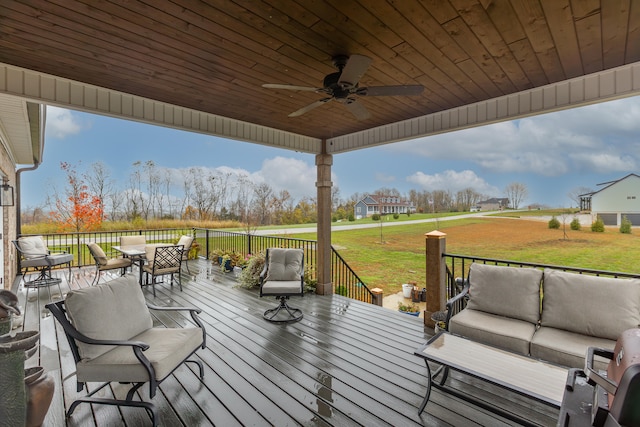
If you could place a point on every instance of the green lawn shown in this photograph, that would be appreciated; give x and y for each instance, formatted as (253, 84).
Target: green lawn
(399, 255)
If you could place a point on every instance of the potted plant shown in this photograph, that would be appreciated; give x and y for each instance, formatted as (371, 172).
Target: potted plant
(411, 309)
(226, 263)
(216, 256)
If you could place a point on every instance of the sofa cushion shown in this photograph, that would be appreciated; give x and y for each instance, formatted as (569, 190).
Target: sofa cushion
(284, 264)
(115, 310)
(595, 306)
(503, 332)
(567, 348)
(505, 291)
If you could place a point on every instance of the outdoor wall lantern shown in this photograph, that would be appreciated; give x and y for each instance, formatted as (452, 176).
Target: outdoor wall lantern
(6, 194)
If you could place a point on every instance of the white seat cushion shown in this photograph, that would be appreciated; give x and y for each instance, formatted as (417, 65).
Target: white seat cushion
(115, 310)
(167, 348)
(282, 287)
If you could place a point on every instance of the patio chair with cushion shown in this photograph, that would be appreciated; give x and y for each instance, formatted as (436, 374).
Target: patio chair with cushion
(105, 264)
(34, 254)
(132, 240)
(186, 242)
(162, 261)
(283, 277)
(110, 332)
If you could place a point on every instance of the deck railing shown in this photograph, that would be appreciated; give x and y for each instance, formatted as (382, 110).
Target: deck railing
(76, 243)
(458, 267)
(346, 281)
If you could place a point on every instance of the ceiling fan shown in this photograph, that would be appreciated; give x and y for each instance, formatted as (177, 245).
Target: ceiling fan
(343, 87)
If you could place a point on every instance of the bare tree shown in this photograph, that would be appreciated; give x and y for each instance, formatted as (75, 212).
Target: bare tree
(516, 192)
(442, 200)
(263, 202)
(99, 181)
(575, 194)
(467, 198)
(283, 207)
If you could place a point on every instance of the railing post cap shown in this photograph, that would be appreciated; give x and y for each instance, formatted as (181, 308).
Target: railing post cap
(376, 291)
(435, 234)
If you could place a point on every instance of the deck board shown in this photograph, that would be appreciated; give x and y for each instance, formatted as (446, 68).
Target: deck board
(345, 363)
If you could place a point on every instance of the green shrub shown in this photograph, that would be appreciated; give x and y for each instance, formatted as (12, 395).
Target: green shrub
(375, 217)
(575, 224)
(598, 225)
(351, 218)
(310, 280)
(250, 276)
(396, 216)
(625, 225)
(554, 223)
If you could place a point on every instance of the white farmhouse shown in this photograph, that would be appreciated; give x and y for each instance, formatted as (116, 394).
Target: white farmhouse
(616, 200)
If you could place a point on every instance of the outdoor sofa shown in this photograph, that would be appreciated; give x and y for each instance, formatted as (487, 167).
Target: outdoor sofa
(546, 314)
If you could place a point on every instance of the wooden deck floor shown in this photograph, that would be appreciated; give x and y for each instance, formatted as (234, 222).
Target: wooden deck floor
(346, 363)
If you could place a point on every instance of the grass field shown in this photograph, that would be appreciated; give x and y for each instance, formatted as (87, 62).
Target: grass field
(399, 256)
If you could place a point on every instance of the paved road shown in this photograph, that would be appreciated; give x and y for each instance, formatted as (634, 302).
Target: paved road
(342, 226)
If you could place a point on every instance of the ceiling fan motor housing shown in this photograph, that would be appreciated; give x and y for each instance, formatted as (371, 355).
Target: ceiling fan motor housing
(331, 82)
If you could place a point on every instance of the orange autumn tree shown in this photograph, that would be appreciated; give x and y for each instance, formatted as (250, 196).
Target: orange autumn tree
(77, 210)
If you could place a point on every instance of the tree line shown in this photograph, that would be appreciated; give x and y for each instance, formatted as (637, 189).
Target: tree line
(92, 196)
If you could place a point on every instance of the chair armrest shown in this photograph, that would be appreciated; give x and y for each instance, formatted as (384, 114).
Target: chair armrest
(58, 312)
(451, 302)
(173, 308)
(263, 274)
(73, 332)
(194, 311)
(67, 250)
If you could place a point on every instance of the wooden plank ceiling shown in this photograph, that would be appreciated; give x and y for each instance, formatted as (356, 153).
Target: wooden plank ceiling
(214, 56)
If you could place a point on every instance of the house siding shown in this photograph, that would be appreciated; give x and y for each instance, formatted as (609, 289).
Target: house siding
(617, 200)
(383, 205)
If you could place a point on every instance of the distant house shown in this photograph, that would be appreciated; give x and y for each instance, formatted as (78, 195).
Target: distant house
(493, 204)
(615, 200)
(383, 205)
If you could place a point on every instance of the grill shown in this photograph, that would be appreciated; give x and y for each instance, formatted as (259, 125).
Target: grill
(608, 398)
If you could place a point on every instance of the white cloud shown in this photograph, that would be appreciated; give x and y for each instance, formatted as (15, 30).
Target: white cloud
(597, 138)
(295, 176)
(605, 163)
(453, 181)
(62, 123)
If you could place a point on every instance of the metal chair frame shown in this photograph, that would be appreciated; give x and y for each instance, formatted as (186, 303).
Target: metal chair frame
(44, 278)
(60, 314)
(165, 258)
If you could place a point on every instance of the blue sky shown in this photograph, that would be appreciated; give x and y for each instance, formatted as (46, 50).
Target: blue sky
(552, 154)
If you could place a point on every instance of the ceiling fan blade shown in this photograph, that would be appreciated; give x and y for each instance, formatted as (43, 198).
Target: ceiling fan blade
(309, 107)
(406, 90)
(291, 87)
(358, 110)
(354, 70)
